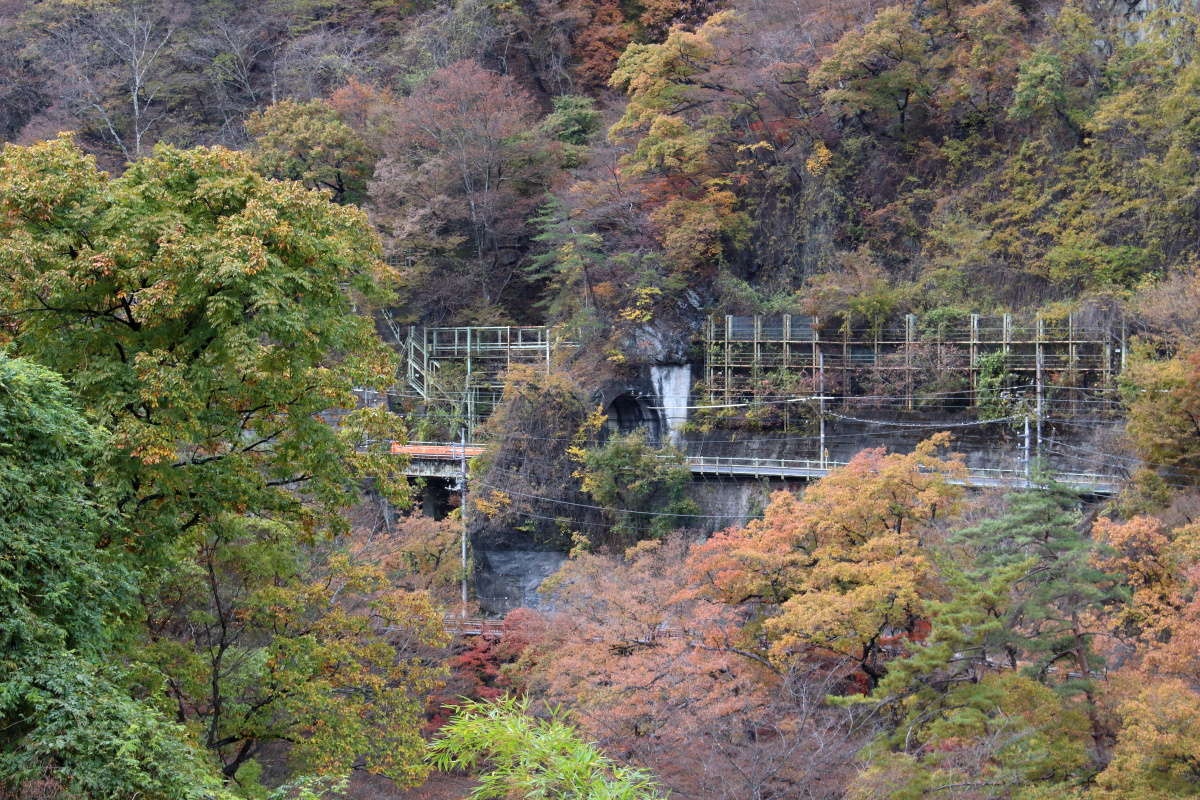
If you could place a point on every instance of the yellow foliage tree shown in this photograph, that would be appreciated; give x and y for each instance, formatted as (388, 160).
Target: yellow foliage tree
(1156, 753)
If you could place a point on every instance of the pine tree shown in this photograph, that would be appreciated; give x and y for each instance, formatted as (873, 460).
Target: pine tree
(1049, 626)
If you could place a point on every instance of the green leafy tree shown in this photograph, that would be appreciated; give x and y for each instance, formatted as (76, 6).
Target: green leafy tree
(571, 265)
(627, 476)
(309, 142)
(1042, 529)
(205, 316)
(574, 121)
(1002, 737)
(202, 314)
(879, 74)
(518, 755)
(264, 638)
(994, 385)
(66, 714)
(1058, 79)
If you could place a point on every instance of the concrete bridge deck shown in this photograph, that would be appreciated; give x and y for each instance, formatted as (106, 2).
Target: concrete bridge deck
(443, 460)
(800, 468)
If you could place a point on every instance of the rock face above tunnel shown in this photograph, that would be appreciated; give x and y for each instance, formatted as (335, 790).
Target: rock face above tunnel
(669, 337)
(508, 579)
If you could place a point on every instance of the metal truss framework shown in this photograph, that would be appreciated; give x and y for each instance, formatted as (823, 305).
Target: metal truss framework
(745, 355)
(462, 369)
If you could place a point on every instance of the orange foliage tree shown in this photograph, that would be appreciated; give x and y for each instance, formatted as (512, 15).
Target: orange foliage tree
(463, 168)
(842, 569)
(1156, 695)
(1164, 413)
(675, 682)
(602, 35)
(1145, 553)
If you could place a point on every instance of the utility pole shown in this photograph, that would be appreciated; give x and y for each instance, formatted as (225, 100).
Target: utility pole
(821, 404)
(462, 512)
(1039, 361)
(1028, 465)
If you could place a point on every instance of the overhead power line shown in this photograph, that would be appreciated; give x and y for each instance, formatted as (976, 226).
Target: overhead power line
(893, 424)
(610, 508)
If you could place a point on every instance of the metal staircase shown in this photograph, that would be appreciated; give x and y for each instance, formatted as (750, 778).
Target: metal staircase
(482, 355)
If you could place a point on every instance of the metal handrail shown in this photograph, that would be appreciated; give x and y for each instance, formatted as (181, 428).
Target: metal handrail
(976, 476)
(1013, 476)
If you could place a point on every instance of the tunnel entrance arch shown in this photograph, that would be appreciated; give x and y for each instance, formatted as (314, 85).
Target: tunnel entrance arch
(628, 412)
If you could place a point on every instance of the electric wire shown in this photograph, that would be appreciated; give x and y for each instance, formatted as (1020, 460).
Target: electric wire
(931, 401)
(701, 442)
(610, 508)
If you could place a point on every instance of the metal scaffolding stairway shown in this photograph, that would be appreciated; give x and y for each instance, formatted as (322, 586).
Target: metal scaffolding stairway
(461, 370)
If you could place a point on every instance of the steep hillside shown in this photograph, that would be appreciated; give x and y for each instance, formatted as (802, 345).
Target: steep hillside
(638, 399)
(592, 163)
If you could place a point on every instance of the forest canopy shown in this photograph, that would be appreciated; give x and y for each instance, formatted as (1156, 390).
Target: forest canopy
(222, 221)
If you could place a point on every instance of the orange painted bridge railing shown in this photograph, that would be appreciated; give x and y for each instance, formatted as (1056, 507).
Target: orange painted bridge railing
(436, 450)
